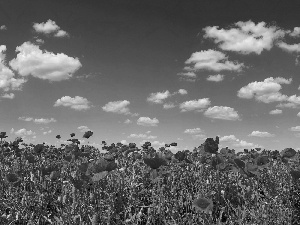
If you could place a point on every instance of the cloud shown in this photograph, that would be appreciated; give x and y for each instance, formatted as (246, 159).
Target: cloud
(193, 131)
(215, 78)
(83, 129)
(44, 120)
(47, 132)
(182, 91)
(24, 132)
(146, 121)
(77, 103)
(127, 121)
(48, 28)
(295, 32)
(8, 95)
(3, 27)
(31, 60)
(296, 128)
(289, 48)
(245, 144)
(245, 37)
(7, 80)
(222, 113)
(266, 91)
(298, 114)
(275, 112)
(212, 60)
(197, 105)
(261, 134)
(142, 136)
(169, 105)
(27, 119)
(119, 107)
(228, 138)
(188, 74)
(158, 97)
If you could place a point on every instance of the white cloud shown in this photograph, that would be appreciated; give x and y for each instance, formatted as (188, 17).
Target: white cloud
(298, 114)
(44, 120)
(119, 107)
(7, 80)
(61, 33)
(128, 121)
(39, 41)
(215, 78)
(24, 132)
(295, 32)
(83, 129)
(275, 112)
(261, 134)
(27, 119)
(199, 137)
(146, 121)
(198, 105)
(188, 74)
(142, 136)
(182, 91)
(3, 27)
(169, 105)
(8, 95)
(212, 60)
(193, 131)
(266, 91)
(296, 128)
(244, 144)
(77, 103)
(228, 138)
(47, 132)
(158, 97)
(222, 112)
(289, 48)
(245, 37)
(31, 60)
(48, 28)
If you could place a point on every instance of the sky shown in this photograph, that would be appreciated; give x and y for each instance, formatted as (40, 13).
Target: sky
(160, 71)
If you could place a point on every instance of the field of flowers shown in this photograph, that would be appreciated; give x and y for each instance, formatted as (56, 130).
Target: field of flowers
(76, 184)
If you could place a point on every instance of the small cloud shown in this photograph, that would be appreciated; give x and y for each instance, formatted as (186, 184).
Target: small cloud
(169, 105)
(158, 97)
(213, 61)
(39, 41)
(146, 121)
(222, 112)
(182, 91)
(24, 132)
(3, 27)
(193, 131)
(128, 121)
(27, 119)
(215, 78)
(296, 128)
(83, 129)
(8, 95)
(275, 112)
(289, 48)
(228, 138)
(298, 114)
(119, 107)
(197, 105)
(48, 28)
(261, 134)
(47, 132)
(77, 103)
(44, 120)
(295, 32)
(199, 137)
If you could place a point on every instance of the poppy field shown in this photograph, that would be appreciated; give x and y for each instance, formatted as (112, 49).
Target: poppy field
(78, 184)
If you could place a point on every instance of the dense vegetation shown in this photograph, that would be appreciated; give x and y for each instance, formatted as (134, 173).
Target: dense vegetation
(74, 184)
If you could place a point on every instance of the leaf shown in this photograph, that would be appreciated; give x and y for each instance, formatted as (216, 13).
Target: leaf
(239, 163)
(288, 153)
(295, 174)
(155, 163)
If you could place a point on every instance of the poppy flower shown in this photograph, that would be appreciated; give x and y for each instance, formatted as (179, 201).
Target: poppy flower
(262, 161)
(132, 145)
(167, 145)
(58, 136)
(180, 155)
(72, 134)
(203, 204)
